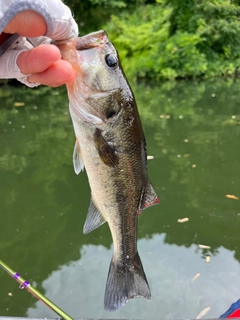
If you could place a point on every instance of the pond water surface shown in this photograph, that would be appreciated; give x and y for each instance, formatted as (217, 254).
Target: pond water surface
(193, 135)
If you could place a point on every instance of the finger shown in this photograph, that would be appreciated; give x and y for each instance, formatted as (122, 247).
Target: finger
(38, 59)
(61, 72)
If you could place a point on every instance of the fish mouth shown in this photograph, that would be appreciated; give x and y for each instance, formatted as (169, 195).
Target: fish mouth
(88, 41)
(94, 39)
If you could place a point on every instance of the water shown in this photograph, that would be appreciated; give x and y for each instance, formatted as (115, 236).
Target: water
(193, 132)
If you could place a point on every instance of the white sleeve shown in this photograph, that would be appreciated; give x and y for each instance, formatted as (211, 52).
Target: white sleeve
(8, 62)
(58, 17)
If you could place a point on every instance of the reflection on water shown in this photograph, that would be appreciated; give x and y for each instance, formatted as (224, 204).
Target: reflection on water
(193, 133)
(78, 287)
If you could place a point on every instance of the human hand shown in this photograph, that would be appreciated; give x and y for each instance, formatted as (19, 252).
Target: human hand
(42, 64)
(45, 66)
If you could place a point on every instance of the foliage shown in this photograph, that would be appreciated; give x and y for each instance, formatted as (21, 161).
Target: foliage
(179, 39)
(167, 39)
(92, 14)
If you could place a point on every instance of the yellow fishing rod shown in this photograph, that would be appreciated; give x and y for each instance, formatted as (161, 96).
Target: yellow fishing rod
(26, 285)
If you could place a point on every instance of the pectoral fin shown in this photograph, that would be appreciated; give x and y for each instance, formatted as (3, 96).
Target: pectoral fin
(149, 197)
(78, 163)
(94, 219)
(105, 151)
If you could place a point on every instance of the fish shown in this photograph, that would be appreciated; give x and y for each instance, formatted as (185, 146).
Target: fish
(111, 146)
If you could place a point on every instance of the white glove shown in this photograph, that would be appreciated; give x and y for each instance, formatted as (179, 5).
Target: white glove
(60, 26)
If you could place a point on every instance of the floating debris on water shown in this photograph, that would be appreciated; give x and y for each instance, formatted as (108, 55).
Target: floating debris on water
(10, 294)
(150, 157)
(196, 276)
(203, 246)
(194, 165)
(208, 259)
(183, 220)
(231, 196)
(162, 116)
(19, 104)
(186, 140)
(203, 313)
(55, 93)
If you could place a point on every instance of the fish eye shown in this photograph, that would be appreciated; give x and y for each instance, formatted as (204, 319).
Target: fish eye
(111, 60)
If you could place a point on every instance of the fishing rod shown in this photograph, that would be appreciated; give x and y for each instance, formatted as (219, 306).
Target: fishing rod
(26, 285)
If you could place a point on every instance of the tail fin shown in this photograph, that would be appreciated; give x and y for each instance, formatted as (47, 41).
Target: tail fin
(125, 282)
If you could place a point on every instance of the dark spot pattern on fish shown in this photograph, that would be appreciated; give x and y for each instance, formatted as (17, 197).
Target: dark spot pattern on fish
(110, 113)
(105, 151)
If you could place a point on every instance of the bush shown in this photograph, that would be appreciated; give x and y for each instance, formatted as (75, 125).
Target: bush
(168, 39)
(178, 39)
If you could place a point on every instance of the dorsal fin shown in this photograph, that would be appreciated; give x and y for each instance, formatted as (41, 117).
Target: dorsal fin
(94, 219)
(78, 163)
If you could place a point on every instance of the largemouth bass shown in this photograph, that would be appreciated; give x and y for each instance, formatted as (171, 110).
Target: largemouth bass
(110, 144)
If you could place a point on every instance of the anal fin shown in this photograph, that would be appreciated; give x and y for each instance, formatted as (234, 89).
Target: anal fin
(94, 219)
(149, 197)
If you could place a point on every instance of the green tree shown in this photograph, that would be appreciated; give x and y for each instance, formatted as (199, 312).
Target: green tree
(91, 15)
(179, 39)
(216, 23)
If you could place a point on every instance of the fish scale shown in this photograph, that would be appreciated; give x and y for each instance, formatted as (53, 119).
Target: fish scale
(110, 144)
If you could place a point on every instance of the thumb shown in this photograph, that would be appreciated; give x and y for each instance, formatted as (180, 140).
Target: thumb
(27, 24)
